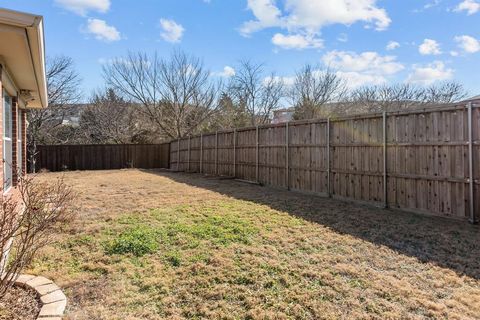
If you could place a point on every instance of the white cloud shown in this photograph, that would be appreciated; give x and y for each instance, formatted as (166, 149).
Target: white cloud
(429, 47)
(428, 6)
(307, 17)
(468, 44)
(471, 6)
(82, 7)
(102, 31)
(172, 31)
(267, 14)
(432, 4)
(296, 41)
(357, 79)
(425, 75)
(369, 61)
(227, 72)
(364, 68)
(287, 81)
(392, 45)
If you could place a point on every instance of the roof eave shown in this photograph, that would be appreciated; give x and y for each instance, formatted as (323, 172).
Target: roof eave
(34, 30)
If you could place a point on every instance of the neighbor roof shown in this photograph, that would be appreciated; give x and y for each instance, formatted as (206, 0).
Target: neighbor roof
(22, 54)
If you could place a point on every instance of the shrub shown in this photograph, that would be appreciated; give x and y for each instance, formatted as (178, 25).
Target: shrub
(28, 222)
(137, 241)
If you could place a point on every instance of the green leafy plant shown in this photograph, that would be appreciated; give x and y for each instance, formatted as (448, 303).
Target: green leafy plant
(137, 241)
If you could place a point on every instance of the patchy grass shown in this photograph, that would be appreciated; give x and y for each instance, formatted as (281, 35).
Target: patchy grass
(138, 241)
(153, 245)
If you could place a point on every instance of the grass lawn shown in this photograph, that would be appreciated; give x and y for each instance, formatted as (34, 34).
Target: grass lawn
(158, 245)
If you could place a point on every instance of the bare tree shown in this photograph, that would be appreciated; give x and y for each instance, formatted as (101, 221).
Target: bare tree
(445, 92)
(111, 119)
(256, 93)
(46, 206)
(177, 94)
(44, 125)
(402, 96)
(384, 98)
(313, 89)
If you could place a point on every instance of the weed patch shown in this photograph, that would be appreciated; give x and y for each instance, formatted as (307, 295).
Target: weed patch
(136, 241)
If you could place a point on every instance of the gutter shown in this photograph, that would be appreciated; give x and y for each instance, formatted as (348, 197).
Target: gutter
(32, 26)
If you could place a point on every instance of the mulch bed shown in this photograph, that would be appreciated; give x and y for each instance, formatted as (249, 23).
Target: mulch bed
(19, 304)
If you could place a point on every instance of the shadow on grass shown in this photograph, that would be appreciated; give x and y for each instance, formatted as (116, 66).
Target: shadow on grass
(446, 243)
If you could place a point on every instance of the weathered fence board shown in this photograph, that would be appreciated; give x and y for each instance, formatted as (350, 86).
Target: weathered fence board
(412, 160)
(102, 157)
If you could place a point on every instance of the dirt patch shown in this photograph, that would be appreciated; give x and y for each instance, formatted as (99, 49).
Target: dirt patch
(20, 304)
(156, 245)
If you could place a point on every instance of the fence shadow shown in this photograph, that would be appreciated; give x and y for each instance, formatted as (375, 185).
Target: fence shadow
(446, 243)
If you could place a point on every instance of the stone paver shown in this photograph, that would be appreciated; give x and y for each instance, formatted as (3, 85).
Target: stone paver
(46, 289)
(38, 281)
(23, 278)
(53, 309)
(51, 296)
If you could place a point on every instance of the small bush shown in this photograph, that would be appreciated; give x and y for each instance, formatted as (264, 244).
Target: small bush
(137, 241)
(27, 223)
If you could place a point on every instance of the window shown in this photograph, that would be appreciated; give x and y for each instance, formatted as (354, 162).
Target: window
(19, 141)
(7, 141)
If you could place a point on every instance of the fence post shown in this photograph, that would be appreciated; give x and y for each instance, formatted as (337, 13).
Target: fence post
(178, 155)
(385, 191)
(234, 152)
(216, 153)
(473, 218)
(256, 154)
(201, 153)
(287, 156)
(329, 192)
(189, 151)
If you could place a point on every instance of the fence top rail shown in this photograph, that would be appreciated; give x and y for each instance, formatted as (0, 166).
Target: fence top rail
(429, 109)
(103, 145)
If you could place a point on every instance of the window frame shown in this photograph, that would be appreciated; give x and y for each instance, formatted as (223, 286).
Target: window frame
(7, 147)
(19, 141)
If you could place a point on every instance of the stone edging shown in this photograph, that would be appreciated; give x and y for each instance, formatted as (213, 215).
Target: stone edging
(52, 298)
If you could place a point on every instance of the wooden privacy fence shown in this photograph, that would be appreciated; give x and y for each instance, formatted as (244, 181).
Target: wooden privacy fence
(425, 160)
(102, 157)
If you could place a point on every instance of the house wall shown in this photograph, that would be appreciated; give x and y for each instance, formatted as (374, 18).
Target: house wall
(1, 124)
(13, 191)
(17, 113)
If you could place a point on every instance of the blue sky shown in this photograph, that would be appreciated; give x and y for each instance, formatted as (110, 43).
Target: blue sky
(365, 41)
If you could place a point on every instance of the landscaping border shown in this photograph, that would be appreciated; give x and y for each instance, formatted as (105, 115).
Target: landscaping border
(52, 298)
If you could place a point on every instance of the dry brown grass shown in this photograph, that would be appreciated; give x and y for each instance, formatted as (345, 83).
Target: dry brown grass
(229, 250)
